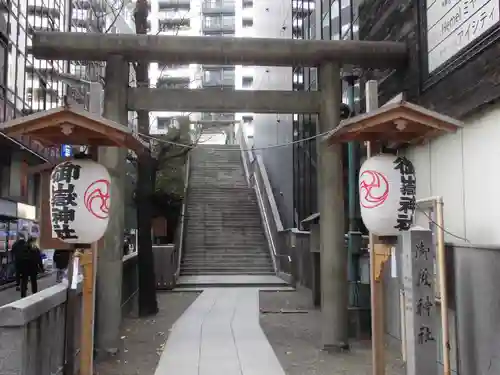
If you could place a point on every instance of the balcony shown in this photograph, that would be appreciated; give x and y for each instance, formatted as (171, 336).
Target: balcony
(90, 25)
(218, 78)
(217, 117)
(95, 6)
(224, 24)
(173, 82)
(218, 7)
(174, 4)
(170, 24)
(302, 8)
(44, 11)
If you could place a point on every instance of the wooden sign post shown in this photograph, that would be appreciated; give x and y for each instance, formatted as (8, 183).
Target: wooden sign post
(88, 263)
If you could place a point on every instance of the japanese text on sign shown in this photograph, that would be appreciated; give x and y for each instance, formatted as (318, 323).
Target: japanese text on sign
(407, 201)
(424, 281)
(64, 199)
(420, 316)
(454, 24)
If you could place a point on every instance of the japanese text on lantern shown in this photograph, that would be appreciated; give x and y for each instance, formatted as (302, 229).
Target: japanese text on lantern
(64, 199)
(407, 201)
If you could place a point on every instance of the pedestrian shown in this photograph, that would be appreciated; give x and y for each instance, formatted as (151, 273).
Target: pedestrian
(17, 248)
(30, 265)
(125, 246)
(61, 261)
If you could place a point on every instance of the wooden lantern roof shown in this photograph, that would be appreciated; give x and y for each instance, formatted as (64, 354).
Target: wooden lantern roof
(394, 124)
(72, 126)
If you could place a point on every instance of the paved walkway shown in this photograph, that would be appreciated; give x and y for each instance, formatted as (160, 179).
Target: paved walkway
(220, 334)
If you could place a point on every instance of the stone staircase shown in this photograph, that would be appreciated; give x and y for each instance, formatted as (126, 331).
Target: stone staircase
(224, 233)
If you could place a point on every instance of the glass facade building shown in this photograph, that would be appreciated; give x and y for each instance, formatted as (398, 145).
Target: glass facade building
(27, 84)
(337, 20)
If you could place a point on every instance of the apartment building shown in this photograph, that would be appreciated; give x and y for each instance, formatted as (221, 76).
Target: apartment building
(229, 18)
(27, 85)
(295, 184)
(100, 16)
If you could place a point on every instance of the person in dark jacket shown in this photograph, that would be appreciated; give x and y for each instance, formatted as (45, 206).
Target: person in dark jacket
(61, 261)
(17, 248)
(30, 265)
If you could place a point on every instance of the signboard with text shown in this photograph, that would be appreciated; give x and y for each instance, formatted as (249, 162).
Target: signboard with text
(66, 151)
(420, 308)
(454, 24)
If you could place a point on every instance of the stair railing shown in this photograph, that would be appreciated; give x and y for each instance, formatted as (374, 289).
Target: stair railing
(256, 175)
(182, 221)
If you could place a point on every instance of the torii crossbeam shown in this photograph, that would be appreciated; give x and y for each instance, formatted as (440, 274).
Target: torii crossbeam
(217, 50)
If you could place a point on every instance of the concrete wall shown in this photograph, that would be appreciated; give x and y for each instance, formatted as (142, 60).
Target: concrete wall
(459, 167)
(32, 328)
(273, 19)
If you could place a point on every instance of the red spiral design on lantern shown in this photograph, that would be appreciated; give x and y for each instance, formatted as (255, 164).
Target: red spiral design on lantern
(373, 189)
(96, 198)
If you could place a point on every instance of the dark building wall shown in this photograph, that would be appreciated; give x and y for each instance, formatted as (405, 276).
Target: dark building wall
(461, 86)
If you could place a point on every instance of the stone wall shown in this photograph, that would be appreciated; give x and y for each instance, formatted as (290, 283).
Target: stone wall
(32, 328)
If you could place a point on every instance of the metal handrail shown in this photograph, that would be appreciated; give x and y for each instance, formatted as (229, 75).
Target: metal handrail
(256, 174)
(182, 219)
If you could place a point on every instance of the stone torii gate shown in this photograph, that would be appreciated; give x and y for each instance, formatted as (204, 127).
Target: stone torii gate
(118, 50)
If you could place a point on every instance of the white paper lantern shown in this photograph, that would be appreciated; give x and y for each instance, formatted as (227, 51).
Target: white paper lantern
(80, 200)
(387, 188)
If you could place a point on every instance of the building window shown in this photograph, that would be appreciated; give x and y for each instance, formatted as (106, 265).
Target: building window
(247, 82)
(247, 4)
(247, 22)
(164, 123)
(247, 119)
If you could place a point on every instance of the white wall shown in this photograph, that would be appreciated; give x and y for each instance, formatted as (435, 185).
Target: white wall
(273, 19)
(461, 168)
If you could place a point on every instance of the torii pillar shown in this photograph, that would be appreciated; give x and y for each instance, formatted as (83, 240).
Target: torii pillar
(333, 255)
(109, 263)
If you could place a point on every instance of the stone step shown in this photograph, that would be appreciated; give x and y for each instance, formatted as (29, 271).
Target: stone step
(251, 248)
(222, 189)
(225, 239)
(211, 255)
(219, 215)
(235, 269)
(228, 196)
(224, 251)
(226, 242)
(194, 229)
(222, 203)
(221, 228)
(225, 264)
(216, 218)
(222, 207)
(224, 272)
(194, 245)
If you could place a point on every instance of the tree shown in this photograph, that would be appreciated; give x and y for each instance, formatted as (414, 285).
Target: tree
(148, 304)
(162, 154)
